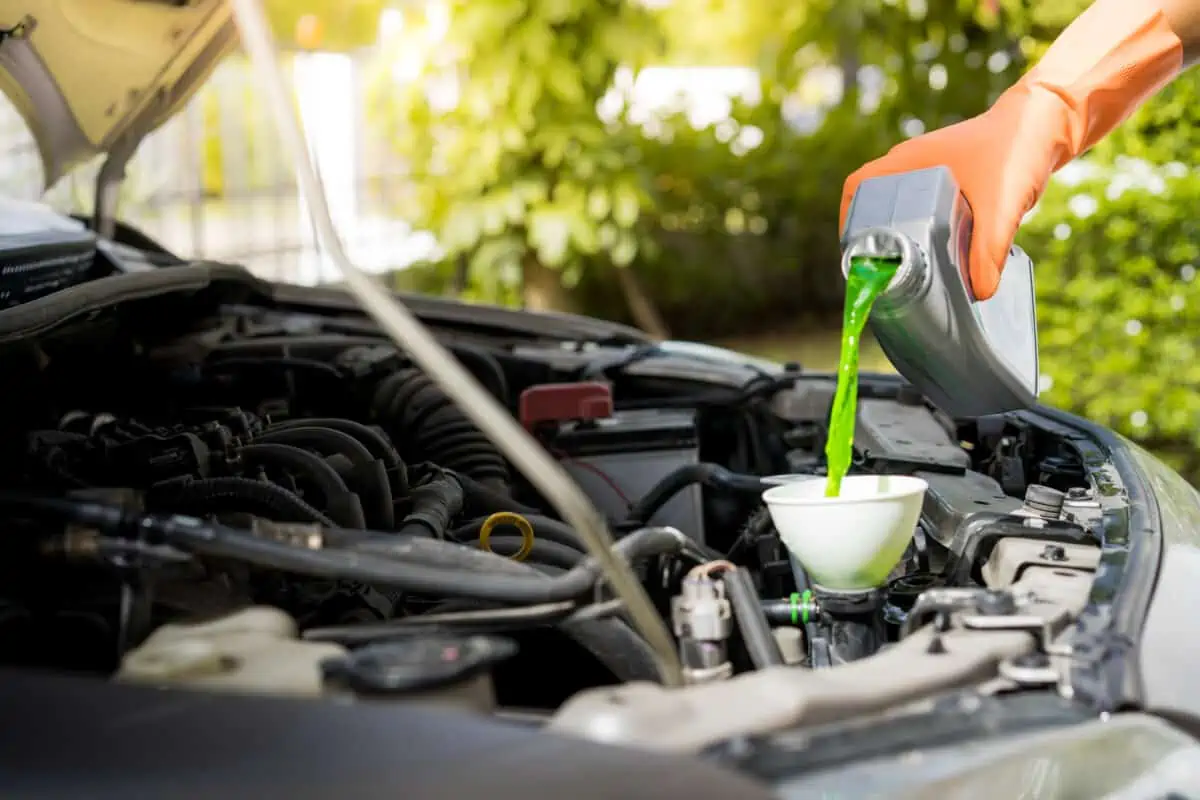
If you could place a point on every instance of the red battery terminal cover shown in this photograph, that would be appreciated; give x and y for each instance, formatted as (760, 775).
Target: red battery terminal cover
(564, 402)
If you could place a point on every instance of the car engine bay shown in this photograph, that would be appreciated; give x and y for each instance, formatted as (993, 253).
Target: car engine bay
(222, 491)
(265, 539)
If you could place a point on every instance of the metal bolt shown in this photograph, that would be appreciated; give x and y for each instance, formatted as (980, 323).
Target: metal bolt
(1044, 501)
(1078, 493)
(1054, 552)
(1032, 661)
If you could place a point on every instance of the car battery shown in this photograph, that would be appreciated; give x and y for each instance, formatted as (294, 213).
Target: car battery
(618, 459)
(41, 252)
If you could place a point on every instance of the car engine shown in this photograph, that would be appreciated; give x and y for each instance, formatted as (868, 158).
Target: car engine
(226, 490)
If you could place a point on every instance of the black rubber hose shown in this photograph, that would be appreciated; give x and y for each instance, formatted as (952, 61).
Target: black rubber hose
(310, 467)
(364, 443)
(751, 621)
(340, 503)
(495, 380)
(541, 552)
(615, 645)
(433, 505)
(260, 363)
(372, 438)
(368, 473)
(480, 500)
(470, 572)
(426, 426)
(713, 476)
(218, 495)
(758, 525)
(611, 641)
(463, 615)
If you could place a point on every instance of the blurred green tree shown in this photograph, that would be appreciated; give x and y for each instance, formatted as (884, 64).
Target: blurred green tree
(328, 25)
(1117, 255)
(1119, 304)
(513, 169)
(524, 184)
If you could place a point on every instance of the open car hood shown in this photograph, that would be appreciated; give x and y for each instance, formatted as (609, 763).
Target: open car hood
(91, 76)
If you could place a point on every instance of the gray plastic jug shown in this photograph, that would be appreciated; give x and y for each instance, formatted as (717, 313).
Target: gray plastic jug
(970, 357)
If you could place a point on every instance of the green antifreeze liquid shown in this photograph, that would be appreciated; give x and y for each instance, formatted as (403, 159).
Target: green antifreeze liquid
(867, 278)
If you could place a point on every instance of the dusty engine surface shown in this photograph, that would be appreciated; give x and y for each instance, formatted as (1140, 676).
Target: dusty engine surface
(249, 499)
(308, 434)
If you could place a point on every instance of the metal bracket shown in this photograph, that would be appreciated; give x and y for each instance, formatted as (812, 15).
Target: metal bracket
(108, 185)
(981, 609)
(1042, 629)
(933, 602)
(1032, 670)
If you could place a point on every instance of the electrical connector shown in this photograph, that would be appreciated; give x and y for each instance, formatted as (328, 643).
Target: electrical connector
(703, 619)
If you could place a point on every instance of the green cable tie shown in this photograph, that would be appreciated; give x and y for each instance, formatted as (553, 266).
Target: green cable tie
(800, 603)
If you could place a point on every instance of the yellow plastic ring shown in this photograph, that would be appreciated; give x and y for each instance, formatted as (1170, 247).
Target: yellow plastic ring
(523, 526)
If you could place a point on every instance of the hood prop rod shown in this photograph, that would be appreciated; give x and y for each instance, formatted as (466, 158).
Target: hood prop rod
(444, 369)
(108, 185)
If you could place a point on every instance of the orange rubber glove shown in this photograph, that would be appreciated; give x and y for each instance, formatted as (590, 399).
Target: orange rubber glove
(1100, 69)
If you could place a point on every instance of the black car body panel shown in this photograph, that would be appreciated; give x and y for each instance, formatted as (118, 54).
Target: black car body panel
(79, 738)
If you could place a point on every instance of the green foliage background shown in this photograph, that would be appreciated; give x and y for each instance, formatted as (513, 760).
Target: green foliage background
(1117, 259)
(522, 175)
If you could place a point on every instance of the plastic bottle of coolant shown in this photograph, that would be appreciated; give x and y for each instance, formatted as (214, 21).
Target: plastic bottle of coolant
(970, 357)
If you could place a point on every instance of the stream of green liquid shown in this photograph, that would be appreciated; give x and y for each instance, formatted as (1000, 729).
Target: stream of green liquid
(868, 277)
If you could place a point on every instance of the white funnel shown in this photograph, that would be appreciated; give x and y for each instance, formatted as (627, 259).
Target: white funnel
(850, 542)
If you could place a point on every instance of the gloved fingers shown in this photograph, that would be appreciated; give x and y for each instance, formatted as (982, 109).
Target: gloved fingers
(1000, 200)
(986, 266)
(997, 213)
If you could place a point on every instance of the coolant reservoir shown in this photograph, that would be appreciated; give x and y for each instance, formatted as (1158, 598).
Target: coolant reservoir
(970, 357)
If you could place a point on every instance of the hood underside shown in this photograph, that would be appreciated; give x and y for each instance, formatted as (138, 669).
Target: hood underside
(92, 76)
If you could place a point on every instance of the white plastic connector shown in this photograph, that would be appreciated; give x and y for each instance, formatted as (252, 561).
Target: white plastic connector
(702, 611)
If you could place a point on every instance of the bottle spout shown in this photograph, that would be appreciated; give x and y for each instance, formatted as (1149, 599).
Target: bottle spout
(886, 243)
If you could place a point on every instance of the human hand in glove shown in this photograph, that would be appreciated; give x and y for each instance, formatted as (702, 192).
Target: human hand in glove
(1100, 69)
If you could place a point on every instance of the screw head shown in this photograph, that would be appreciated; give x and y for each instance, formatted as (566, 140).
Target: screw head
(1054, 552)
(1032, 661)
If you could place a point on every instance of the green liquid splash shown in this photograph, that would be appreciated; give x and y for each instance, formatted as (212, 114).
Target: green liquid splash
(867, 279)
